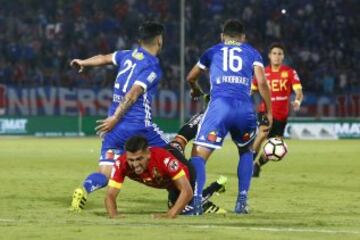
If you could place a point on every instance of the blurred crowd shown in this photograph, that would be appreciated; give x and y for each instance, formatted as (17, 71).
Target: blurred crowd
(38, 38)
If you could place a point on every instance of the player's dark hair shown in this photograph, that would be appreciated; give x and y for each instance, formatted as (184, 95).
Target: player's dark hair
(277, 45)
(233, 28)
(136, 143)
(149, 30)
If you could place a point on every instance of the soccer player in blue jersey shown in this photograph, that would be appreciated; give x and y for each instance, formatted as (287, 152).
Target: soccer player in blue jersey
(231, 66)
(138, 75)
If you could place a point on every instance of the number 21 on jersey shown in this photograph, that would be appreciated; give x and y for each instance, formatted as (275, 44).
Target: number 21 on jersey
(128, 66)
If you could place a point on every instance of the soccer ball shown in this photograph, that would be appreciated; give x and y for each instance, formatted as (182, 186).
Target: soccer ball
(275, 149)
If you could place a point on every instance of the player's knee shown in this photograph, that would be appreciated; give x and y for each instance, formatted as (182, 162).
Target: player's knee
(105, 170)
(244, 149)
(201, 151)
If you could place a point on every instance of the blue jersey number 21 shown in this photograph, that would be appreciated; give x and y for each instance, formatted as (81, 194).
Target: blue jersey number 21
(231, 60)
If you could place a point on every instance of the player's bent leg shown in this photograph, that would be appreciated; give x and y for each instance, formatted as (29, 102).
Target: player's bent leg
(219, 186)
(95, 180)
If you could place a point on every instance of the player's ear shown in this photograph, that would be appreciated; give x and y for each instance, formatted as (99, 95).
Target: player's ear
(243, 37)
(159, 41)
(222, 37)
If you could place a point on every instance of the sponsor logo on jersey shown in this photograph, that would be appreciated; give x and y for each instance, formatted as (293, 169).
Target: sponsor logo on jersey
(151, 77)
(166, 161)
(212, 136)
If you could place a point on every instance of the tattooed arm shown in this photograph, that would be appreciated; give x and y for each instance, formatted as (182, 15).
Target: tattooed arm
(130, 98)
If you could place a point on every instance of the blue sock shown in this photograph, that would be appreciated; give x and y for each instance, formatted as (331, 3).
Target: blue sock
(244, 173)
(94, 182)
(199, 166)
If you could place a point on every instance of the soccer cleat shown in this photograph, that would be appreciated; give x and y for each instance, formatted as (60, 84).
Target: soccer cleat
(241, 207)
(197, 205)
(78, 200)
(210, 207)
(256, 170)
(222, 180)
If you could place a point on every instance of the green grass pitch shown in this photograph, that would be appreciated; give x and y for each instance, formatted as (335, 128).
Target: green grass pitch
(313, 194)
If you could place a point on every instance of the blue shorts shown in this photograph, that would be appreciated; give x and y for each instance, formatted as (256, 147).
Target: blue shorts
(114, 141)
(225, 115)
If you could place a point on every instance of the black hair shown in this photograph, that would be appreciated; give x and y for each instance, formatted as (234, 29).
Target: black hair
(136, 143)
(149, 30)
(277, 45)
(233, 27)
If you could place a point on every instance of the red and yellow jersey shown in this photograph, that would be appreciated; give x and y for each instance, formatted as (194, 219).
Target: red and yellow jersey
(281, 83)
(162, 170)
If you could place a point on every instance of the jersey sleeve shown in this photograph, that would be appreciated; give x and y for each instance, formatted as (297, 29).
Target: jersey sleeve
(258, 61)
(172, 166)
(205, 60)
(117, 175)
(148, 78)
(295, 80)
(116, 58)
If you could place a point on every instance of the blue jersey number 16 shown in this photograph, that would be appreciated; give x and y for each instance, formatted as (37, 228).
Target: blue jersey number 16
(231, 60)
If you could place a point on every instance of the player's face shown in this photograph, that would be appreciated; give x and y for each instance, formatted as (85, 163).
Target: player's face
(138, 161)
(276, 56)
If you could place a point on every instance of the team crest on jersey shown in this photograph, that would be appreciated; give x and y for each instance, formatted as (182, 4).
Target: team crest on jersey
(284, 74)
(212, 136)
(110, 154)
(137, 55)
(246, 137)
(173, 165)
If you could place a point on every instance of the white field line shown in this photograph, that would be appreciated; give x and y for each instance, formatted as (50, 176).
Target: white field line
(274, 229)
(214, 226)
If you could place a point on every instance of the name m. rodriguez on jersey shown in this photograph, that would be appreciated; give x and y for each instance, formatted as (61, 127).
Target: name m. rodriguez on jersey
(233, 79)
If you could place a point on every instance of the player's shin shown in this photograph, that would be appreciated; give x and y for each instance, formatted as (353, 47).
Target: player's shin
(95, 181)
(244, 173)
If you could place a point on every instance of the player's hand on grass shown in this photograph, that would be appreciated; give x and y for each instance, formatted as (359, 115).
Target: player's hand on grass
(105, 125)
(162, 215)
(78, 64)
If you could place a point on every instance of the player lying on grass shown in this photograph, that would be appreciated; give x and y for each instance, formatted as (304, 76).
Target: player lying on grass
(282, 80)
(158, 168)
(186, 133)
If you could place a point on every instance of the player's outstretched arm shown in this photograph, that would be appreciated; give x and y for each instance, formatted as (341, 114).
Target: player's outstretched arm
(97, 60)
(130, 98)
(192, 79)
(185, 196)
(264, 90)
(110, 201)
(298, 99)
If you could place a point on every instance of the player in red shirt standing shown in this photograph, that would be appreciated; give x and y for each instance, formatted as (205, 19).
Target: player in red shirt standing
(158, 168)
(282, 80)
